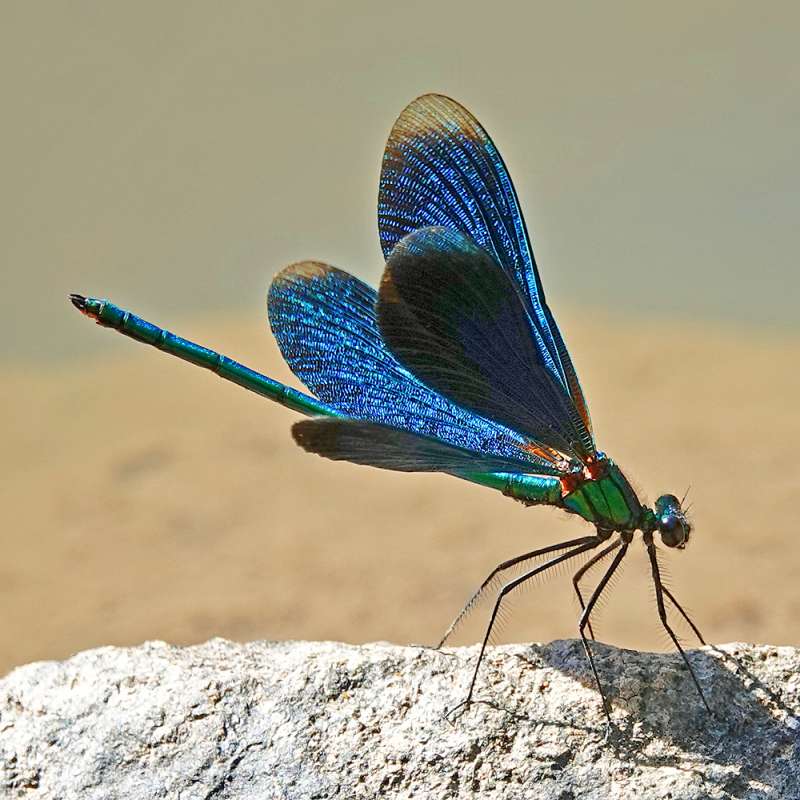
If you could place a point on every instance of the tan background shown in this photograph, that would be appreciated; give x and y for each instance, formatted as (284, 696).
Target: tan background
(174, 156)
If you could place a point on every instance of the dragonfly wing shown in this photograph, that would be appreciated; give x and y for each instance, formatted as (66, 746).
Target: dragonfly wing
(441, 168)
(325, 323)
(381, 446)
(455, 320)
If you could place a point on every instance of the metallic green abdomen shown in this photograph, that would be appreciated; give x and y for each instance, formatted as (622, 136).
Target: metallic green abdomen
(608, 502)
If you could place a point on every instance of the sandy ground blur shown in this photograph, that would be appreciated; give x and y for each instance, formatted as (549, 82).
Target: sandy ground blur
(146, 499)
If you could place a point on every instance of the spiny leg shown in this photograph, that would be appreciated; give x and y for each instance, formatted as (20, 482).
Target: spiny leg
(677, 605)
(512, 562)
(584, 621)
(662, 613)
(592, 542)
(576, 578)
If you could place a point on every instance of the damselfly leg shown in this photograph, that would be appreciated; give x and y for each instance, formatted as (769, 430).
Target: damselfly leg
(505, 565)
(680, 610)
(588, 544)
(584, 621)
(662, 613)
(576, 578)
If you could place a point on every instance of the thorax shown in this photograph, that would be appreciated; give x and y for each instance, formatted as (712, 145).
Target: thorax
(602, 495)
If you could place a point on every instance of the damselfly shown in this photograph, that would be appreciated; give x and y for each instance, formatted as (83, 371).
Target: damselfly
(455, 365)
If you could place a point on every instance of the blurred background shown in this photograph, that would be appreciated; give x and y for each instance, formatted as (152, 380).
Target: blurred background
(173, 157)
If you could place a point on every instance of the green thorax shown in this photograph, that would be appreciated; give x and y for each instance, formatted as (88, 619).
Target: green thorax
(601, 496)
(607, 500)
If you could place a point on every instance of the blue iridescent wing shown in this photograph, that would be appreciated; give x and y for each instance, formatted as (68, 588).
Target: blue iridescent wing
(452, 317)
(440, 168)
(381, 446)
(325, 323)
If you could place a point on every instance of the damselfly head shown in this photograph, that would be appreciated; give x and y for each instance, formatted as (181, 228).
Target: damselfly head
(672, 523)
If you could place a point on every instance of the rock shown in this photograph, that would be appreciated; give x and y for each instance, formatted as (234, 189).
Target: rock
(322, 720)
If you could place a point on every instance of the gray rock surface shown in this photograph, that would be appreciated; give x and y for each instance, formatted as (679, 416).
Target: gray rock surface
(323, 720)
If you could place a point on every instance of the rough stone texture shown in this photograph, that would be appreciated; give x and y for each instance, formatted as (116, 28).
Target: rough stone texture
(320, 720)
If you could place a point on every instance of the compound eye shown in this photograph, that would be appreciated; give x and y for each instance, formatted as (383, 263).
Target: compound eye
(672, 531)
